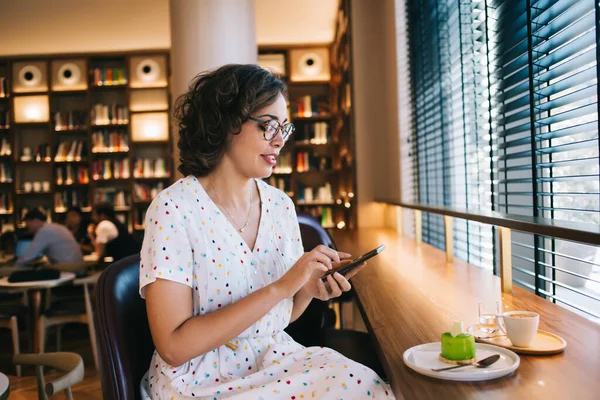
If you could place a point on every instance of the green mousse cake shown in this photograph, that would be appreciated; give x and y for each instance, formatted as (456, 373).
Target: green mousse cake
(458, 348)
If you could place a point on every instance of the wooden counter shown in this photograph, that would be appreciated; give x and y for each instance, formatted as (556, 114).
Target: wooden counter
(408, 296)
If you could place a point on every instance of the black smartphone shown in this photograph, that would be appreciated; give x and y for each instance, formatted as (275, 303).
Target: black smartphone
(355, 263)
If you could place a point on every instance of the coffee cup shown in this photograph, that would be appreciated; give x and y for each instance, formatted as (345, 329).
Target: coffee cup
(520, 326)
(37, 186)
(46, 186)
(27, 187)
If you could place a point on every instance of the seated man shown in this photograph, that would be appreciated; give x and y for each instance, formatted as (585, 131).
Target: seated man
(110, 237)
(52, 240)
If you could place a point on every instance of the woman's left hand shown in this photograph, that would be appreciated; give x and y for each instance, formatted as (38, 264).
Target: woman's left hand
(335, 285)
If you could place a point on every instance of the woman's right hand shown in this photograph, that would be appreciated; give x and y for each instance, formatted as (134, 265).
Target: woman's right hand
(311, 265)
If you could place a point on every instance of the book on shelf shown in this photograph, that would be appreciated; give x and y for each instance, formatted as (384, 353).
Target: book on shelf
(106, 141)
(147, 192)
(70, 120)
(150, 168)
(284, 164)
(4, 119)
(319, 195)
(118, 198)
(315, 133)
(42, 153)
(70, 150)
(107, 76)
(5, 173)
(109, 114)
(3, 87)
(280, 183)
(5, 149)
(5, 203)
(306, 161)
(70, 198)
(70, 175)
(310, 106)
(105, 169)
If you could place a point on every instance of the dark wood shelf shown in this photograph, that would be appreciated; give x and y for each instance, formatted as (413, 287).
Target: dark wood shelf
(313, 118)
(110, 126)
(19, 162)
(32, 124)
(79, 130)
(151, 142)
(73, 186)
(30, 93)
(32, 193)
(148, 111)
(315, 204)
(151, 178)
(109, 153)
(69, 92)
(312, 145)
(72, 162)
(149, 87)
(142, 202)
(112, 180)
(315, 172)
(308, 83)
(100, 88)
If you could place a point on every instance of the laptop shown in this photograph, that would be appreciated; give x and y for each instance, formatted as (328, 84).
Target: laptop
(21, 247)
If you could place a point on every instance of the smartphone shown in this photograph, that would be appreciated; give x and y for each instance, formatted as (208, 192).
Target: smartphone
(355, 263)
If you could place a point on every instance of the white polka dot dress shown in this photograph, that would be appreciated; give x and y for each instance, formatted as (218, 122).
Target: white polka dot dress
(189, 241)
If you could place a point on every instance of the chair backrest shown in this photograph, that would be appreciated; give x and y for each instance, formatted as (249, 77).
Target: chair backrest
(124, 340)
(309, 327)
(313, 234)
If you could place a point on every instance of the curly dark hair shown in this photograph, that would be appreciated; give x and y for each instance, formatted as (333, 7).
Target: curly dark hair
(217, 104)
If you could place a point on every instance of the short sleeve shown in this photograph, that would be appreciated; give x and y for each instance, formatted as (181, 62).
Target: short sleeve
(293, 228)
(166, 250)
(106, 231)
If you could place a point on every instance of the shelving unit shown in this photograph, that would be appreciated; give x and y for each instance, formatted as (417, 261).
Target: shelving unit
(65, 125)
(321, 155)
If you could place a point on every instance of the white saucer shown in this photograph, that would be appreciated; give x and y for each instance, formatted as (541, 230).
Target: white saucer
(425, 357)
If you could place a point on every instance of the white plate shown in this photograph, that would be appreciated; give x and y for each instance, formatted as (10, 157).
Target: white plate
(426, 356)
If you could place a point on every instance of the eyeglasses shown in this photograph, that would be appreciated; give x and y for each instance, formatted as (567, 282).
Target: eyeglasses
(272, 126)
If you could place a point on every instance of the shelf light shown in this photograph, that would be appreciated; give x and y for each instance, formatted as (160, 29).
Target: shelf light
(150, 127)
(341, 225)
(31, 109)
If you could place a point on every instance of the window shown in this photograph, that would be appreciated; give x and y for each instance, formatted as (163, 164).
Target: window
(504, 117)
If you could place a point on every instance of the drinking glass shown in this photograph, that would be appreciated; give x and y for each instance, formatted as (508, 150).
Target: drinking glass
(487, 320)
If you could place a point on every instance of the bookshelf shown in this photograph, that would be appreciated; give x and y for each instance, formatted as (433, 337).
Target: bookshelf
(77, 129)
(316, 167)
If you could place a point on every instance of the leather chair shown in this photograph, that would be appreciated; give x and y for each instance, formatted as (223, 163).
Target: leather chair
(313, 234)
(125, 344)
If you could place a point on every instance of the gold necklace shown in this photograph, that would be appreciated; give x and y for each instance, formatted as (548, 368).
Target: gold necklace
(227, 211)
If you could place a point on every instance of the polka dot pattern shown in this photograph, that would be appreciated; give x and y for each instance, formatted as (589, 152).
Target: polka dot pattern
(189, 241)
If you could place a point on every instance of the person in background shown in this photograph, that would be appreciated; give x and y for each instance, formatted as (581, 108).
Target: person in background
(109, 236)
(52, 240)
(78, 225)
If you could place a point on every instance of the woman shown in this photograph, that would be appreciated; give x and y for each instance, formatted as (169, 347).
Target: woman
(227, 249)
